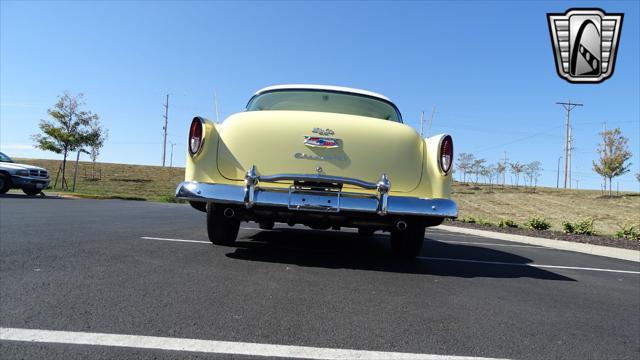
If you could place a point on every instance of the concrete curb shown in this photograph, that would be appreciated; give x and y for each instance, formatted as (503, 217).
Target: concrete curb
(611, 252)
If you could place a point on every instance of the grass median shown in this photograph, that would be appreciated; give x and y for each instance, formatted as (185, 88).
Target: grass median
(491, 204)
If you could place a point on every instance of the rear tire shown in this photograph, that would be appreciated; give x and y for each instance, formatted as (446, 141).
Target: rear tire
(32, 192)
(407, 244)
(221, 230)
(5, 183)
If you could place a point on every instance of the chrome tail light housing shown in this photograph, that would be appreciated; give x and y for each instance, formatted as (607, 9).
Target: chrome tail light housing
(196, 136)
(445, 158)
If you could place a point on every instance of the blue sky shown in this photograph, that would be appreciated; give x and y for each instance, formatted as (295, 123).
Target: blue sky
(486, 66)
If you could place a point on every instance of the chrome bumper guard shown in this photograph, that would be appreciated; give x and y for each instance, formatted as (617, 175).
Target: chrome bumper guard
(251, 194)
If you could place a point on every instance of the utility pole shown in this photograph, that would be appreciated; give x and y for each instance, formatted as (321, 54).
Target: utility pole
(422, 123)
(558, 173)
(164, 129)
(604, 179)
(171, 156)
(568, 106)
(570, 152)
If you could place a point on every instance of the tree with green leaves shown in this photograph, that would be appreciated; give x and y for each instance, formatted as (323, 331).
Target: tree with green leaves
(614, 155)
(69, 130)
(96, 143)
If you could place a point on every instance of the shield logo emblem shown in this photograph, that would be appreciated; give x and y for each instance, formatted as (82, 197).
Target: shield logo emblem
(585, 44)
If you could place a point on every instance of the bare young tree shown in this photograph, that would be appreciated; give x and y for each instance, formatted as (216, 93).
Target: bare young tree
(476, 168)
(69, 130)
(532, 170)
(614, 155)
(465, 161)
(516, 168)
(500, 170)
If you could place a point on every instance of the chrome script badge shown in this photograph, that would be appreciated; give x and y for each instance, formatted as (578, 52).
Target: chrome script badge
(585, 43)
(321, 142)
(323, 132)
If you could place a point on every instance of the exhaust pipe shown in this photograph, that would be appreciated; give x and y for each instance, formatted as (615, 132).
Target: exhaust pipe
(228, 212)
(401, 225)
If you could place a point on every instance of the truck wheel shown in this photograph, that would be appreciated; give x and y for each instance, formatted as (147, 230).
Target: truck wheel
(31, 192)
(5, 183)
(408, 243)
(221, 230)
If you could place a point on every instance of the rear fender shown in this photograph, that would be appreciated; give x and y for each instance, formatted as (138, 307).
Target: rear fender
(433, 178)
(202, 166)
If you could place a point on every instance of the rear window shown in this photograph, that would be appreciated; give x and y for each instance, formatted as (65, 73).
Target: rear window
(325, 101)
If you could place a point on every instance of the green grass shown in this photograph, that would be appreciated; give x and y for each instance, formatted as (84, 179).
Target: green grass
(155, 183)
(117, 181)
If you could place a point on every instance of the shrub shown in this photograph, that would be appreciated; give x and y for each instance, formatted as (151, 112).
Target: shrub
(470, 220)
(504, 223)
(483, 222)
(568, 227)
(631, 232)
(167, 198)
(537, 223)
(581, 227)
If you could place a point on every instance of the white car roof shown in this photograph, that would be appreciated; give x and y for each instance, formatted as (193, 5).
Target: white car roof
(322, 87)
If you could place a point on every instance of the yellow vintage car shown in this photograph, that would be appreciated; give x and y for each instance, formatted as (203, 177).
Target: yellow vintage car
(321, 156)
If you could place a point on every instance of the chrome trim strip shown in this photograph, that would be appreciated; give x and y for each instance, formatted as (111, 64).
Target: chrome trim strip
(318, 178)
(349, 202)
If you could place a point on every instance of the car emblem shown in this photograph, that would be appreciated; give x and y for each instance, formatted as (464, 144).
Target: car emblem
(323, 132)
(585, 43)
(322, 142)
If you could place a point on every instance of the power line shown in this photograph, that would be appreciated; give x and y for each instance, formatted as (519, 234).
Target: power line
(545, 132)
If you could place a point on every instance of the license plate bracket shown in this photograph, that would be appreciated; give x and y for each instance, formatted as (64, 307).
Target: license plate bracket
(308, 199)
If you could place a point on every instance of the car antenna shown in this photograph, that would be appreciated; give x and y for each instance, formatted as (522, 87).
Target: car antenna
(433, 115)
(215, 103)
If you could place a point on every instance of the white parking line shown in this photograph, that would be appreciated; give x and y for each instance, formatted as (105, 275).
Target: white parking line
(209, 346)
(453, 259)
(176, 240)
(491, 244)
(531, 264)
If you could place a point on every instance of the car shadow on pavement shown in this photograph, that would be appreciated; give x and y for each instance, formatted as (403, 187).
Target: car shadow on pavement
(33, 197)
(346, 250)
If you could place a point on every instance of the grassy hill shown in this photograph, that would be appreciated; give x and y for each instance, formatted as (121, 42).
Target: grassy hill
(518, 204)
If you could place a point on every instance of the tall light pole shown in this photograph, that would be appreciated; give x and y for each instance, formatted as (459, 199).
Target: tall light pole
(171, 158)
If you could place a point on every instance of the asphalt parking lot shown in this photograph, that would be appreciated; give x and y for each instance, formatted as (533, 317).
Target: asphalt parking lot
(146, 270)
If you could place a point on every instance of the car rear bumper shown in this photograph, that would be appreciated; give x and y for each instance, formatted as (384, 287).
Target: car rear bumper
(264, 197)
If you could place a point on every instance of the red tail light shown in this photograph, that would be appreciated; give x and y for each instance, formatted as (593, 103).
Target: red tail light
(446, 154)
(196, 137)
